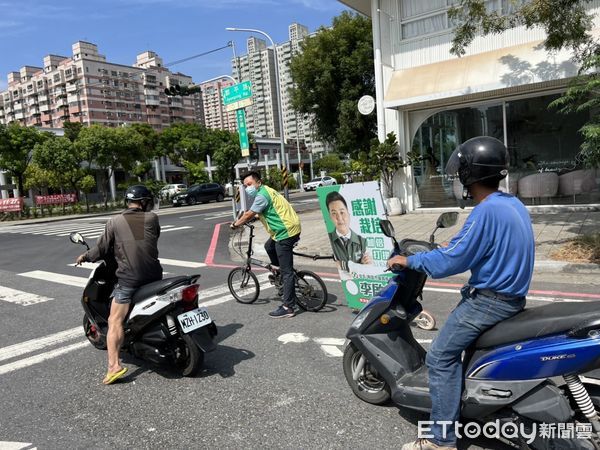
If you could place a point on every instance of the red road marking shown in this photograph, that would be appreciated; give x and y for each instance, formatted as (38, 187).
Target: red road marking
(210, 255)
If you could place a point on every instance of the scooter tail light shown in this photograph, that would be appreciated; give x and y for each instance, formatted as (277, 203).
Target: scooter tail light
(189, 293)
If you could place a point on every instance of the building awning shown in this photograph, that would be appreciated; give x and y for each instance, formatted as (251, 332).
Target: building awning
(362, 6)
(484, 75)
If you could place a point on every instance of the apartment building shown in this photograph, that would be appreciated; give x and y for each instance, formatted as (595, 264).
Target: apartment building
(257, 66)
(502, 88)
(86, 88)
(215, 115)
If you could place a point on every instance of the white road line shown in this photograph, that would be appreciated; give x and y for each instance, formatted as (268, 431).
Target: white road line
(424, 341)
(329, 341)
(180, 263)
(7, 445)
(529, 297)
(69, 280)
(20, 297)
(22, 363)
(227, 298)
(332, 350)
(33, 345)
(175, 229)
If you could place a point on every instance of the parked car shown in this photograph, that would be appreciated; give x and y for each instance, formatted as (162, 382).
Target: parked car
(170, 190)
(200, 193)
(319, 181)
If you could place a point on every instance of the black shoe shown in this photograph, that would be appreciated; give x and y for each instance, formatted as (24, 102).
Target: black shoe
(283, 311)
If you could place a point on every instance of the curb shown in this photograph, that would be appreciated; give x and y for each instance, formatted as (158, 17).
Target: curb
(13, 223)
(549, 266)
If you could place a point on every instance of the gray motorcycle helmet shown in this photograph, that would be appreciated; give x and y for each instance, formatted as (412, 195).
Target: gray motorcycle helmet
(479, 158)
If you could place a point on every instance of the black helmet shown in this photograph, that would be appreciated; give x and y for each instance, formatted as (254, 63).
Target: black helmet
(140, 193)
(479, 158)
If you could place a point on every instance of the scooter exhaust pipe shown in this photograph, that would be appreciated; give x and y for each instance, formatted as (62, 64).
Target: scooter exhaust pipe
(359, 368)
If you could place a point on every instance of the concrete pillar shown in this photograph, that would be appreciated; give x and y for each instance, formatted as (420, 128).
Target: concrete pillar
(3, 180)
(162, 168)
(312, 172)
(113, 187)
(16, 192)
(278, 160)
(209, 167)
(266, 163)
(156, 169)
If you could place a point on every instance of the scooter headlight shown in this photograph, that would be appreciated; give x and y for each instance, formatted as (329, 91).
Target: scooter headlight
(358, 320)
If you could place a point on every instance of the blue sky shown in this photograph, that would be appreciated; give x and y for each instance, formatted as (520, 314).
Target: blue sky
(175, 29)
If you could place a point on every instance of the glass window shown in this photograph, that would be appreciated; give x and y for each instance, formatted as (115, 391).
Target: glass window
(411, 8)
(421, 27)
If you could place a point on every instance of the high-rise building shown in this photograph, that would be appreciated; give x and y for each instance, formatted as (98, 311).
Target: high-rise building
(215, 115)
(257, 66)
(87, 88)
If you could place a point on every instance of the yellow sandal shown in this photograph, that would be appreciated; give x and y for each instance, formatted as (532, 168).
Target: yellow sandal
(110, 378)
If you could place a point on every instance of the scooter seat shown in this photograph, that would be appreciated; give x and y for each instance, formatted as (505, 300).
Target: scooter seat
(541, 321)
(158, 287)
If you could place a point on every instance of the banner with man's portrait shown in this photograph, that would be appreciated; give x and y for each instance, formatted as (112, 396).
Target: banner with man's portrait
(352, 213)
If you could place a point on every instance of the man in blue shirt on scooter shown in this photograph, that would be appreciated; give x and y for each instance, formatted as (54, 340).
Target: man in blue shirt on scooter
(496, 243)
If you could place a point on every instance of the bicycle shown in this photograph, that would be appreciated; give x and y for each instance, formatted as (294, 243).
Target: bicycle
(311, 292)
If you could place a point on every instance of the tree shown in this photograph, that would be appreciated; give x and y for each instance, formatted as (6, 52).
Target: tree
(196, 172)
(72, 130)
(63, 161)
(185, 142)
(335, 69)
(384, 158)
(330, 163)
(149, 149)
(227, 154)
(108, 149)
(16, 149)
(568, 26)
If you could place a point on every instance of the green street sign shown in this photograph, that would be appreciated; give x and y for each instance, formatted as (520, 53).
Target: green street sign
(236, 93)
(240, 115)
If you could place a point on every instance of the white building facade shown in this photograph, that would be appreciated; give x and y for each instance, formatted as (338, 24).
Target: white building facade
(502, 87)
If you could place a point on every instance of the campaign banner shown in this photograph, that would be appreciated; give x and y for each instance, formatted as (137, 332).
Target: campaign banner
(11, 204)
(352, 213)
(57, 199)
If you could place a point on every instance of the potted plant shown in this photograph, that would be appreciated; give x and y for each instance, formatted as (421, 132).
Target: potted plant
(385, 161)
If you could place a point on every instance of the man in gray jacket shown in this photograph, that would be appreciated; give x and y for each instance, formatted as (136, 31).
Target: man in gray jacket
(132, 238)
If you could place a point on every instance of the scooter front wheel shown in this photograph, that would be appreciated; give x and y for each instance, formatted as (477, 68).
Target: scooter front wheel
(369, 386)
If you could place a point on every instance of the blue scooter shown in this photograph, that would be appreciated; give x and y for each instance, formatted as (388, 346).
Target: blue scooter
(539, 369)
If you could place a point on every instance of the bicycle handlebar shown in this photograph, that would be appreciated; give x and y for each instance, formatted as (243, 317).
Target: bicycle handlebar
(313, 257)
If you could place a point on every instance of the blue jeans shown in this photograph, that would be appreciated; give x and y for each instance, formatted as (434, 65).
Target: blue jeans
(469, 319)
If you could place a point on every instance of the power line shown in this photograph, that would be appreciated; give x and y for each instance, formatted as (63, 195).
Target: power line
(198, 55)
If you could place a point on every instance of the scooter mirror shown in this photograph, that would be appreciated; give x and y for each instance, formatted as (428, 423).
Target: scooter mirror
(77, 238)
(447, 220)
(387, 228)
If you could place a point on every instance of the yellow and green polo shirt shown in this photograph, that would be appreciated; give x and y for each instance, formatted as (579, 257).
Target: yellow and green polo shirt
(276, 214)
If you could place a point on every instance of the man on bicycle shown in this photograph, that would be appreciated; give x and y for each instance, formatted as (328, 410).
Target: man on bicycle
(282, 223)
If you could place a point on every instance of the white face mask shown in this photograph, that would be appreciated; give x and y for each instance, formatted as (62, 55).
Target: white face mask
(251, 191)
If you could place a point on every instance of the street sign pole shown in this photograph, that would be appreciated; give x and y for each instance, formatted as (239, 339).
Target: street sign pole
(240, 115)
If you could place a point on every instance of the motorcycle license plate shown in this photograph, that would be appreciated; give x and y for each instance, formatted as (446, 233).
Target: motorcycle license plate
(192, 320)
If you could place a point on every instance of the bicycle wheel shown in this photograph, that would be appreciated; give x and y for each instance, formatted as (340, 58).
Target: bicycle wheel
(243, 285)
(311, 292)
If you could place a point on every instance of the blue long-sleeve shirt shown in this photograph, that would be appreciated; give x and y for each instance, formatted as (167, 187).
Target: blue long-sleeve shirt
(496, 243)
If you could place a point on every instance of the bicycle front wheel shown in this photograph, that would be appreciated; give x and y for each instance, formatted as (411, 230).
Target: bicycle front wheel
(311, 292)
(243, 285)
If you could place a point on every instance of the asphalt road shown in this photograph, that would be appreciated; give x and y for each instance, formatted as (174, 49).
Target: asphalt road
(270, 383)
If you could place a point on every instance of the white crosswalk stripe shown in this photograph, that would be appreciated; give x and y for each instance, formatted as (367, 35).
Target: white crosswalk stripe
(89, 230)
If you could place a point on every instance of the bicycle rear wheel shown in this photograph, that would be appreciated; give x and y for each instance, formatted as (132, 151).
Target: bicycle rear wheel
(311, 292)
(243, 285)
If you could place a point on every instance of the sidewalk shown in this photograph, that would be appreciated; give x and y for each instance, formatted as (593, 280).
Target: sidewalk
(551, 230)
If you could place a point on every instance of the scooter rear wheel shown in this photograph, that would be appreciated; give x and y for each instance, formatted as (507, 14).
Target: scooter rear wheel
(191, 358)
(369, 387)
(93, 334)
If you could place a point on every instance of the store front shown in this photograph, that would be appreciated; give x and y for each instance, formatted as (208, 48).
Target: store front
(543, 144)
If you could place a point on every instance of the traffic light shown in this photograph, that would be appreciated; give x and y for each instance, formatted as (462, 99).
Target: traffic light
(254, 151)
(182, 90)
